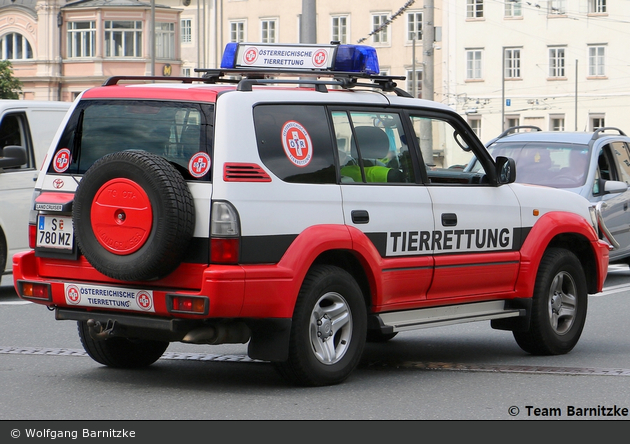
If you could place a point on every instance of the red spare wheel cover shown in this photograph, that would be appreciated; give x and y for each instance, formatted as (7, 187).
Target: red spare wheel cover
(121, 216)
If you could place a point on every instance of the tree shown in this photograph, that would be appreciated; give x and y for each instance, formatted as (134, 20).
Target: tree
(10, 87)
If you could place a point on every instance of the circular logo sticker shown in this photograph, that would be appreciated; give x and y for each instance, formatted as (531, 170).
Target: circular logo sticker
(319, 58)
(61, 161)
(73, 296)
(144, 300)
(199, 164)
(250, 56)
(297, 143)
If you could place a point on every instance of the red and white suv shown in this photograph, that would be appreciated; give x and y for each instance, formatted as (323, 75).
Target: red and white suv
(298, 211)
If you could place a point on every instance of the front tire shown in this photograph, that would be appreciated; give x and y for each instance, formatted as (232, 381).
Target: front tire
(559, 305)
(121, 352)
(328, 330)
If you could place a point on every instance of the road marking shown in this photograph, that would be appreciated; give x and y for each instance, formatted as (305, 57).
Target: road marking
(445, 366)
(614, 289)
(506, 368)
(14, 302)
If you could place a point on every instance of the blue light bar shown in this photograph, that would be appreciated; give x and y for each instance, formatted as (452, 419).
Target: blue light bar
(342, 58)
(357, 58)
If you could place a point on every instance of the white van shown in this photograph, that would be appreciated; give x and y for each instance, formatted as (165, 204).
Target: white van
(26, 129)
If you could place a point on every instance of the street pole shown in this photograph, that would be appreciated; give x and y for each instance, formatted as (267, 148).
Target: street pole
(576, 93)
(502, 89)
(308, 20)
(152, 33)
(428, 38)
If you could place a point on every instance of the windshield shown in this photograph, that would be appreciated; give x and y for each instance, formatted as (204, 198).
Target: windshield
(557, 165)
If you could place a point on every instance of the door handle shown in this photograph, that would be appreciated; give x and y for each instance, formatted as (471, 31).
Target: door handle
(449, 219)
(360, 216)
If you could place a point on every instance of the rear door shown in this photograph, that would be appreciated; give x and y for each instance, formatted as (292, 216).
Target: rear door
(384, 198)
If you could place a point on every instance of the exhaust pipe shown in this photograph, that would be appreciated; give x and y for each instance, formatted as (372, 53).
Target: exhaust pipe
(233, 333)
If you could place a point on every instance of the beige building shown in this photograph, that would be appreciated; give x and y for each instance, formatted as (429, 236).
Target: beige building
(59, 48)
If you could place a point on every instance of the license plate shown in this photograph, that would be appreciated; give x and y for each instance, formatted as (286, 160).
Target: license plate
(54, 232)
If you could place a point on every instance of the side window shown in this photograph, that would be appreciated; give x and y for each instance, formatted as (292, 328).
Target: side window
(620, 151)
(294, 142)
(13, 131)
(439, 139)
(372, 147)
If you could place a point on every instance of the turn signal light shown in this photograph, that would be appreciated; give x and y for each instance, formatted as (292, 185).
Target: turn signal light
(189, 304)
(30, 290)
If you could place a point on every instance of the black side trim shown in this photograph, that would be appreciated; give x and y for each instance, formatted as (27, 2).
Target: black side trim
(265, 249)
(520, 234)
(380, 242)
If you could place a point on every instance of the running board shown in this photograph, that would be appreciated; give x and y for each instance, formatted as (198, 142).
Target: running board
(452, 314)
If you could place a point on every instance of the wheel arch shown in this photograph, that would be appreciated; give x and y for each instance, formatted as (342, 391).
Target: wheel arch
(563, 230)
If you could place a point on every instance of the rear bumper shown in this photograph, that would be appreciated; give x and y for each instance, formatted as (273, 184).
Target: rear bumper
(260, 292)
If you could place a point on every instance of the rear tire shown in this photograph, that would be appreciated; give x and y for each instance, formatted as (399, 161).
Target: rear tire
(559, 305)
(121, 352)
(328, 330)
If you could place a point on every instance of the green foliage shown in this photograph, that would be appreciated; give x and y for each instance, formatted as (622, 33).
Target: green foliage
(10, 87)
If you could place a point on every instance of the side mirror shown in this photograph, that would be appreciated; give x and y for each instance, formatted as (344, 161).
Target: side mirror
(505, 170)
(12, 156)
(614, 186)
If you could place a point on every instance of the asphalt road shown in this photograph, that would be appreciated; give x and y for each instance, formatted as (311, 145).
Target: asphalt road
(461, 372)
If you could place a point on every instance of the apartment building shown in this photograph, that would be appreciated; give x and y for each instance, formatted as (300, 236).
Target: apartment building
(558, 65)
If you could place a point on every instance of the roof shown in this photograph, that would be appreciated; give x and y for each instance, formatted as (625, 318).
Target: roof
(115, 3)
(583, 138)
(26, 4)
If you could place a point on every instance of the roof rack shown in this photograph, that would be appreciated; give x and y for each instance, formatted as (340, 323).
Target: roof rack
(599, 132)
(260, 76)
(511, 130)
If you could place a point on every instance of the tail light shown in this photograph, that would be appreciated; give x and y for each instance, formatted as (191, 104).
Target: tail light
(225, 233)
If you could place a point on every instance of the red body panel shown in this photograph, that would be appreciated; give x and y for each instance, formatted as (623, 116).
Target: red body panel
(270, 291)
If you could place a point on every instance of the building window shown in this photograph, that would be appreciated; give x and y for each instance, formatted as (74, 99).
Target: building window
(473, 64)
(237, 32)
(556, 62)
(556, 123)
(268, 31)
(340, 29)
(557, 7)
(596, 61)
(513, 8)
(165, 40)
(511, 121)
(186, 72)
(380, 28)
(597, 6)
(418, 82)
(14, 46)
(414, 26)
(475, 125)
(474, 8)
(81, 39)
(123, 38)
(596, 121)
(186, 30)
(512, 63)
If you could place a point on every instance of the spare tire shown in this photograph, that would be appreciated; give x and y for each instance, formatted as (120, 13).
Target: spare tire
(133, 216)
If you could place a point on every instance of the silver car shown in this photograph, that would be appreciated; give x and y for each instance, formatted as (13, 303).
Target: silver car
(594, 165)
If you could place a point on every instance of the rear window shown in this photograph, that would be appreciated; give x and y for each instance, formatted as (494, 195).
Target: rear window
(173, 130)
